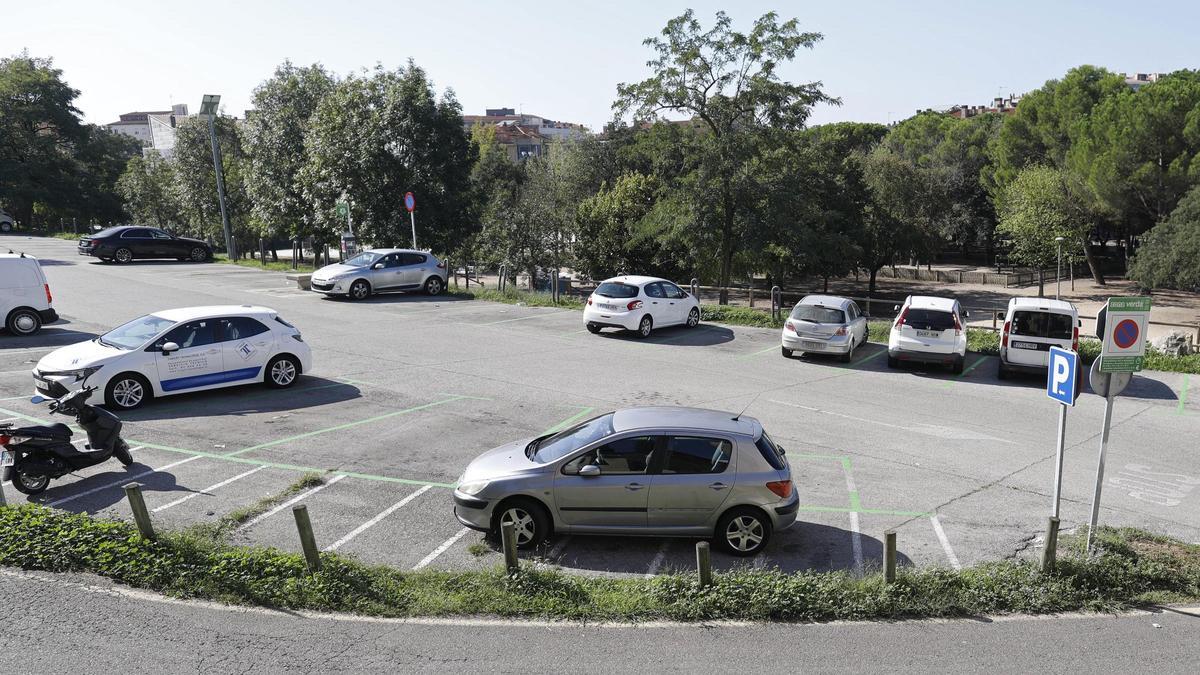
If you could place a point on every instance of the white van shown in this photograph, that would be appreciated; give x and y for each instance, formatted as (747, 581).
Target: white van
(25, 300)
(1031, 327)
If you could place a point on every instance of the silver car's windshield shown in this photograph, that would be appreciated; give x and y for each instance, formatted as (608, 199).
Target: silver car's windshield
(135, 333)
(365, 259)
(550, 448)
(818, 314)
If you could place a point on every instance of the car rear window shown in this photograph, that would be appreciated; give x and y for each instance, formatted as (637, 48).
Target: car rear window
(928, 319)
(612, 289)
(770, 452)
(1043, 325)
(818, 314)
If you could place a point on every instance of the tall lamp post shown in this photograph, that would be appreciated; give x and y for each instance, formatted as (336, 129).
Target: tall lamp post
(208, 108)
(1058, 276)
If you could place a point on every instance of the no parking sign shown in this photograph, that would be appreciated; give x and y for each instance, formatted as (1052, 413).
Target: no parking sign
(1124, 335)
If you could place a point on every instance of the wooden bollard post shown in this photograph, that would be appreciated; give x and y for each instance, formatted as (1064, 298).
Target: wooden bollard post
(508, 541)
(889, 556)
(137, 504)
(1050, 550)
(704, 563)
(308, 541)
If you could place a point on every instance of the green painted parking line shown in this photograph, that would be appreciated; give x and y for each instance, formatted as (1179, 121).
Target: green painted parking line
(868, 358)
(794, 455)
(290, 467)
(1183, 394)
(761, 351)
(965, 371)
(521, 318)
(347, 425)
(567, 422)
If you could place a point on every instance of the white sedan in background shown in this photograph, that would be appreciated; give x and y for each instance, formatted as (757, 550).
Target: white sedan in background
(640, 304)
(177, 351)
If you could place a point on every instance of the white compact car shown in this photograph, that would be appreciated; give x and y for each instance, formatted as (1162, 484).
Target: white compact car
(177, 351)
(929, 330)
(640, 304)
(25, 300)
(1031, 327)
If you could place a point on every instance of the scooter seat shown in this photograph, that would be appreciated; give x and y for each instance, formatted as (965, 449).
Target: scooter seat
(58, 430)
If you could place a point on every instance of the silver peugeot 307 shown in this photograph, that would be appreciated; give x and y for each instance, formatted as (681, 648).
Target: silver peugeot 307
(661, 471)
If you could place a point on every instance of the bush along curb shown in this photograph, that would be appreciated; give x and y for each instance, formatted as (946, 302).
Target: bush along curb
(1130, 567)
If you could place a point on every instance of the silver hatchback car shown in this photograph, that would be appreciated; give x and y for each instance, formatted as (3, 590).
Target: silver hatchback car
(382, 269)
(661, 471)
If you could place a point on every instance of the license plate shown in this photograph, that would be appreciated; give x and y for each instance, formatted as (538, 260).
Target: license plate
(609, 308)
(809, 344)
(928, 333)
(6, 458)
(1024, 345)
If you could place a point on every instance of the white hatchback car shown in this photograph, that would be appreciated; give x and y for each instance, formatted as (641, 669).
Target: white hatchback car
(179, 350)
(1031, 327)
(640, 304)
(929, 330)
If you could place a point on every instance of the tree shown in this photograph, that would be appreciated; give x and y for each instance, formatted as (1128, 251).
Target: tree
(1041, 204)
(39, 133)
(148, 188)
(1169, 256)
(902, 212)
(196, 181)
(374, 138)
(101, 159)
(275, 133)
(728, 81)
(618, 232)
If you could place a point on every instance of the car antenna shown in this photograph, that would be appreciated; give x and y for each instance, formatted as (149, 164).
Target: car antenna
(737, 416)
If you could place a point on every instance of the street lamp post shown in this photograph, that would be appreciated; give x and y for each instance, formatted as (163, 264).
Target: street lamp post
(208, 108)
(1058, 275)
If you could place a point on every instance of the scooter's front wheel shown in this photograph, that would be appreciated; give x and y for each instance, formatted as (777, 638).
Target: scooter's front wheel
(30, 483)
(122, 453)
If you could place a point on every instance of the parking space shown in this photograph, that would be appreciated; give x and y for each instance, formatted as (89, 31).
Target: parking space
(406, 390)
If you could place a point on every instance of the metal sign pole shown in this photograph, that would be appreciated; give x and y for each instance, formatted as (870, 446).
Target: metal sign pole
(1058, 462)
(216, 152)
(413, 219)
(1108, 407)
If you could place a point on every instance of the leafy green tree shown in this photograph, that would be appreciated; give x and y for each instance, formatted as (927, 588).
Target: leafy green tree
(101, 159)
(1169, 255)
(275, 133)
(148, 188)
(1040, 205)
(377, 136)
(904, 208)
(196, 182)
(618, 235)
(728, 81)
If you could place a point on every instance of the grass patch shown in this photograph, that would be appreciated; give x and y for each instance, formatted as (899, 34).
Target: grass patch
(479, 549)
(216, 532)
(277, 266)
(513, 296)
(1132, 567)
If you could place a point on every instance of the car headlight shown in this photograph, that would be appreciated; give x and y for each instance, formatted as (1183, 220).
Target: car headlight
(473, 488)
(78, 373)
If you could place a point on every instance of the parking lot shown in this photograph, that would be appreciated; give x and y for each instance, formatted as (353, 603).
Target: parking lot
(406, 390)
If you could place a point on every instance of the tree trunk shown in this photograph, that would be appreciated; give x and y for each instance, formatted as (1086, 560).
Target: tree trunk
(726, 247)
(826, 284)
(1093, 265)
(532, 278)
(871, 284)
(1041, 283)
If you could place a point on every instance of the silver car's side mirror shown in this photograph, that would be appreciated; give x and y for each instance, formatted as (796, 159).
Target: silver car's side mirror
(169, 347)
(377, 266)
(896, 308)
(967, 314)
(589, 470)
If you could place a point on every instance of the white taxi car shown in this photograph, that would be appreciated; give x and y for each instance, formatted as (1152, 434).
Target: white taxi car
(179, 350)
(640, 304)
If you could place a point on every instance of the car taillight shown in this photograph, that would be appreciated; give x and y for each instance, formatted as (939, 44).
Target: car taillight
(5, 439)
(1004, 335)
(636, 304)
(791, 326)
(441, 265)
(783, 488)
(50, 298)
(900, 319)
(1075, 340)
(957, 325)
(589, 300)
(841, 330)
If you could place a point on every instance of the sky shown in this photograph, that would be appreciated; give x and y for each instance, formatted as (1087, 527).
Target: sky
(563, 60)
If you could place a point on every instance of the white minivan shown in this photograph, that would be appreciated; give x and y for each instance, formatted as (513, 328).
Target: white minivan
(25, 300)
(1031, 327)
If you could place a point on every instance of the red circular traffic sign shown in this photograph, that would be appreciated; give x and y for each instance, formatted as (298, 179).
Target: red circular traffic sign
(1125, 335)
(410, 202)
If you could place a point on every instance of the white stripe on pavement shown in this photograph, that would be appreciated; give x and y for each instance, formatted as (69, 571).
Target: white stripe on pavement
(208, 489)
(293, 500)
(557, 551)
(123, 481)
(657, 562)
(856, 542)
(374, 521)
(441, 549)
(941, 535)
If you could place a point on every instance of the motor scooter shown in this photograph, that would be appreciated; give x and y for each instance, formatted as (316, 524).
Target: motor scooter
(35, 455)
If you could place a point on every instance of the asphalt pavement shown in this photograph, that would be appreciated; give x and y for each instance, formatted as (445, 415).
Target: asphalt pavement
(406, 389)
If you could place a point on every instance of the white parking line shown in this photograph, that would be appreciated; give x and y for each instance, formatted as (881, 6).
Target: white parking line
(124, 480)
(522, 318)
(293, 500)
(941, 535)
(856, 542)
(557, 551)
(372, 522)
(208, 489)
(938, 431)
(441, 549)
(659, 557)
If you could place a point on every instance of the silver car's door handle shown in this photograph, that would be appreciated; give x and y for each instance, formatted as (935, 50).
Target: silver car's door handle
(634, 486)
(718, 486)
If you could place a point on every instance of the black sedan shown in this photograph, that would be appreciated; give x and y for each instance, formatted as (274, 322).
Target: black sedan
(130, 242)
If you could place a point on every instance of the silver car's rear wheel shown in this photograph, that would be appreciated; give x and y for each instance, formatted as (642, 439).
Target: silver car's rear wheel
(743, 531)
(433, 286)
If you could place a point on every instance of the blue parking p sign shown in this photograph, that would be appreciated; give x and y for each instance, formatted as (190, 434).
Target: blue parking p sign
(1061, 384)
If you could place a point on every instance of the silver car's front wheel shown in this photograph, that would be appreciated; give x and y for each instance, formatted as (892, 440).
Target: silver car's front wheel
(523, 524)
(530, 522)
